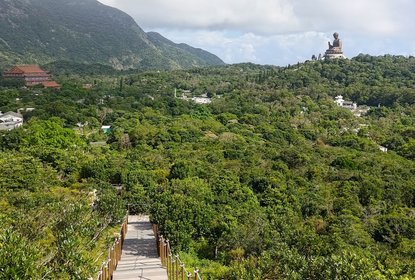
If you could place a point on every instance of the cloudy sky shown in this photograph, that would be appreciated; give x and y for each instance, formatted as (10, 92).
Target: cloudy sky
(279, 32)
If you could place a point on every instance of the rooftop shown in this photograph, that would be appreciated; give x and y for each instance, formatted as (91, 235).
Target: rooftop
(14, 114)
(51, 84)
(26, 68)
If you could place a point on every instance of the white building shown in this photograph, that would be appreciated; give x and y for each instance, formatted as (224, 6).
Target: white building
(197, 99)
(345, 104)
(383, 149)
(202, 100)
(10, 120)
(106, 128)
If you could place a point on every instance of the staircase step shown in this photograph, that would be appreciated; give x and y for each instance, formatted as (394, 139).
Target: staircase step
(139, 259)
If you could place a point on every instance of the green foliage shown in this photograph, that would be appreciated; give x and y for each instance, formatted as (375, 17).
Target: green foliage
(110, 206)
(11, 83)
(270, 181)
(23, 172)
(186, 206)
(19, 259)
(50, 134)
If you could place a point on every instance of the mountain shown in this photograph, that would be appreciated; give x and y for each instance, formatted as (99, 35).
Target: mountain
(191, 55)
(87, 31)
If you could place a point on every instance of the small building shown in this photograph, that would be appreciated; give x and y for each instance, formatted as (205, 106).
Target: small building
(349, 105)
(26, 109)
(10, 120)
(32, 75)
(345, 104)
(106, 128)
(51, 84)
(383, 149)
(201, 100)
(197, 99)
(361, 110)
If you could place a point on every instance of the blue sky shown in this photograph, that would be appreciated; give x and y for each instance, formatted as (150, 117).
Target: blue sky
(278, 32)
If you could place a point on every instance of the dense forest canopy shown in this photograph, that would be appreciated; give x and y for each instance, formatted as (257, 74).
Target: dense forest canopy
(272, 180)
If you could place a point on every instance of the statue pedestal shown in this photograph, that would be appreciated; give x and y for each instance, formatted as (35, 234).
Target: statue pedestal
(334, 53)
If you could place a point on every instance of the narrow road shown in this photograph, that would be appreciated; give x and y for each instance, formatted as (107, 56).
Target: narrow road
(139, 259)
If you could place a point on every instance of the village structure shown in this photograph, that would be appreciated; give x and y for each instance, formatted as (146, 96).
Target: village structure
(32, 75)
(358, 111)
(10, 120)
(203, 99)
(344, 103)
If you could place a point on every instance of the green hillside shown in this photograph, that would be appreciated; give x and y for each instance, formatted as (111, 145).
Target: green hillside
(271, 180)
(85, 31)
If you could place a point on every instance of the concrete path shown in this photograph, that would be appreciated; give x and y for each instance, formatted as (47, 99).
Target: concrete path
(139, 259)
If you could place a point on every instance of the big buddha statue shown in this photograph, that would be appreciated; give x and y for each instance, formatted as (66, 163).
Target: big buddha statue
(335, 49)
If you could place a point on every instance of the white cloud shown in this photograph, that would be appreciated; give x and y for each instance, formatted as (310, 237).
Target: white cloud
(278, 31)
(383, 17)
(251, 16)
(271, 16)
(235, 47)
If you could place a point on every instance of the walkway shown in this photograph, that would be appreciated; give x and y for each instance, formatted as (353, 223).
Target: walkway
(139, 259)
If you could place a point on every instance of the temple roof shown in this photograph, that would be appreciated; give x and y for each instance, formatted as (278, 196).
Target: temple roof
(51, 84)
(26, 69)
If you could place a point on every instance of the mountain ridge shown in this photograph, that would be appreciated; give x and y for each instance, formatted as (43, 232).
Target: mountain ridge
(86, 31)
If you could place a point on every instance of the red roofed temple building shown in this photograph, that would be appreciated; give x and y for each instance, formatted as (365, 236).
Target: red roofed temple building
(31, 74)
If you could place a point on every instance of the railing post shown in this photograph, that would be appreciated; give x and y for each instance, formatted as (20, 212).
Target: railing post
(165, 253)
(171, 267)
(111, 260)
(161, 250)
(119, 250)
(177, 267)
(169, 260)
(116, 254)
(168, 250)
(106, 272)
(168, 268)
(183, 269)
(103, 271)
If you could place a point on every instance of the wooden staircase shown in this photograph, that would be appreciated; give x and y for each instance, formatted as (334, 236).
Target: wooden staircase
(139, 258)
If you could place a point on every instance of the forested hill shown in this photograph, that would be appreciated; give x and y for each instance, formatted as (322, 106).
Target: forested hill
(368, 80)
(271, 180)
(86, 31)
